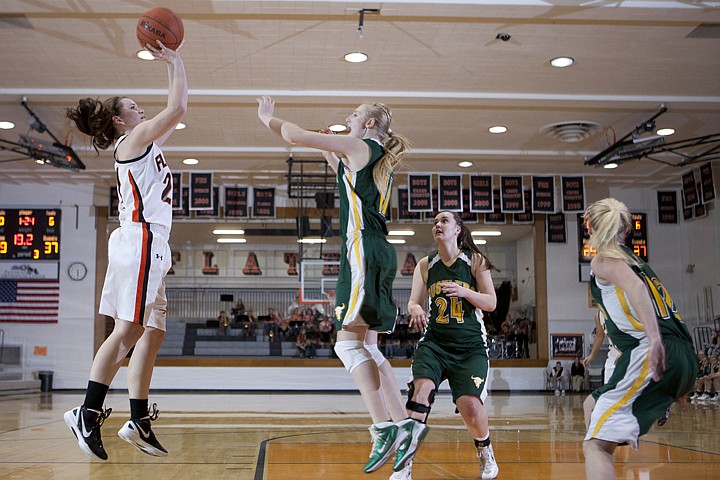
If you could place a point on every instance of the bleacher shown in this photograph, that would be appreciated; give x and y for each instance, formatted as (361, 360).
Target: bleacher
(186, 337)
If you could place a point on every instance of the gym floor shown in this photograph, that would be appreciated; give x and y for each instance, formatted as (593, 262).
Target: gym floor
(283, 436)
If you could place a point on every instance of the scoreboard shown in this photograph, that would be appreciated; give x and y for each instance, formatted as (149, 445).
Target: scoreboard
(29, 234)
(636, 240)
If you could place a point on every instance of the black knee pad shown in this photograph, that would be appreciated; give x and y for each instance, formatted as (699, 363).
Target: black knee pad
(419, 407)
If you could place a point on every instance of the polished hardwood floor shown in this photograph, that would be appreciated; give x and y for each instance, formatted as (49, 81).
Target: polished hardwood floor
(278, 436)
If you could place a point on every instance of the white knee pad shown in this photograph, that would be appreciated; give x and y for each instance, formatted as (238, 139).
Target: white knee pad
(375, 353)
(352, 353)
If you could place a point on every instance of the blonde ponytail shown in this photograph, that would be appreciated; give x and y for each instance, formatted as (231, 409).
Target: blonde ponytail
(610, 221)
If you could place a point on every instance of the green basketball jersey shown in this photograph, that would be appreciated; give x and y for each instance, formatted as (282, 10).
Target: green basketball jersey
(453, 321)
(623, 327)
(362, 206)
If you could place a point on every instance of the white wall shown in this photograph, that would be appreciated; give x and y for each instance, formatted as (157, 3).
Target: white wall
(70, 341)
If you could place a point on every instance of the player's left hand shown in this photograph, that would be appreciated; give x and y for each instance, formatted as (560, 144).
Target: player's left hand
(266, 109)
(452, 289)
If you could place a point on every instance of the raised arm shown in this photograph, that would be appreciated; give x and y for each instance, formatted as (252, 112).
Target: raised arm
(355, 153)
(418, 296)
(158, 128)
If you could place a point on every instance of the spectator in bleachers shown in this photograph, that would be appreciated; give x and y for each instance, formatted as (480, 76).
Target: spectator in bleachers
(249, 323)
(296, 321)
(325, 327)
(703, 369)
(271, 324)
(713, 347)
(284, 331)
(306, 348)
(237, 311)
(577, 373)
(708, 372)
(223, 322)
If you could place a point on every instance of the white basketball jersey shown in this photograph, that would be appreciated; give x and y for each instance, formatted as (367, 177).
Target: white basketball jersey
(145, 187)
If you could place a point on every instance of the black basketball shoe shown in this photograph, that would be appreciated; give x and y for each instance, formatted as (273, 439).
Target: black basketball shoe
(139, 434)
(85, 425)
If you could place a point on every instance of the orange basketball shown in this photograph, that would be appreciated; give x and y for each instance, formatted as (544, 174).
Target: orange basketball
(160, 24)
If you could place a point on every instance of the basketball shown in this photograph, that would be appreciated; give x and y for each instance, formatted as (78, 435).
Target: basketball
(160, 24)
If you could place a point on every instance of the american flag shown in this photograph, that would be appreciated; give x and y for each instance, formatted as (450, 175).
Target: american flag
(29, 301)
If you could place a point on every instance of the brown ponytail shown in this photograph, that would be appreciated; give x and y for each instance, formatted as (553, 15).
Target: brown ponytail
(94, 118)
(466, 242)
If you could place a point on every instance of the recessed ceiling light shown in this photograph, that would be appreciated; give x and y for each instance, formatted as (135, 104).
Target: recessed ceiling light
(229, 232)
(480, 242)
(145, 55)
(486, 233)
(180, 126)
(311, 240)
(399, 241)
(7, 125)
(337, 128)
(610, 166)
(665, 131)
(401, 233)
(465, 164)
(562, 62)
(231, 240)
(497, 129)
(191, 161)
(355, 57)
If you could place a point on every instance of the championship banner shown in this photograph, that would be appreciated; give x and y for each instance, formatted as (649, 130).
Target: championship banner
(185, 212)
(420, 193)
(263, 203)
(543, 195)
(667, 207)
(236, 202)
(556, 228)
(573, 194)
(688, 212)
(707, 183)
(511, 195)
(430, 216)
(450, 193)
(403, 212)
(177, 199)
(496, 217)
(690, 193)
(527, 216)
(466, 215)
(201, 194)
(213, 212)
(114, 202)
(481, 194)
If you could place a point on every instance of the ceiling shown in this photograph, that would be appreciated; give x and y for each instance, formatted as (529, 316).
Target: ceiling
(438, 65)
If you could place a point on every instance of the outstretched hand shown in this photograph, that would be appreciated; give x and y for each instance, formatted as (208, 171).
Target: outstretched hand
(161, 52)
(266, 109)
(418, 319)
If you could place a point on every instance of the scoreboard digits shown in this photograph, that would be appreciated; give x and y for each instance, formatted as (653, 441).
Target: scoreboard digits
(636, 239)
(29, 234)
